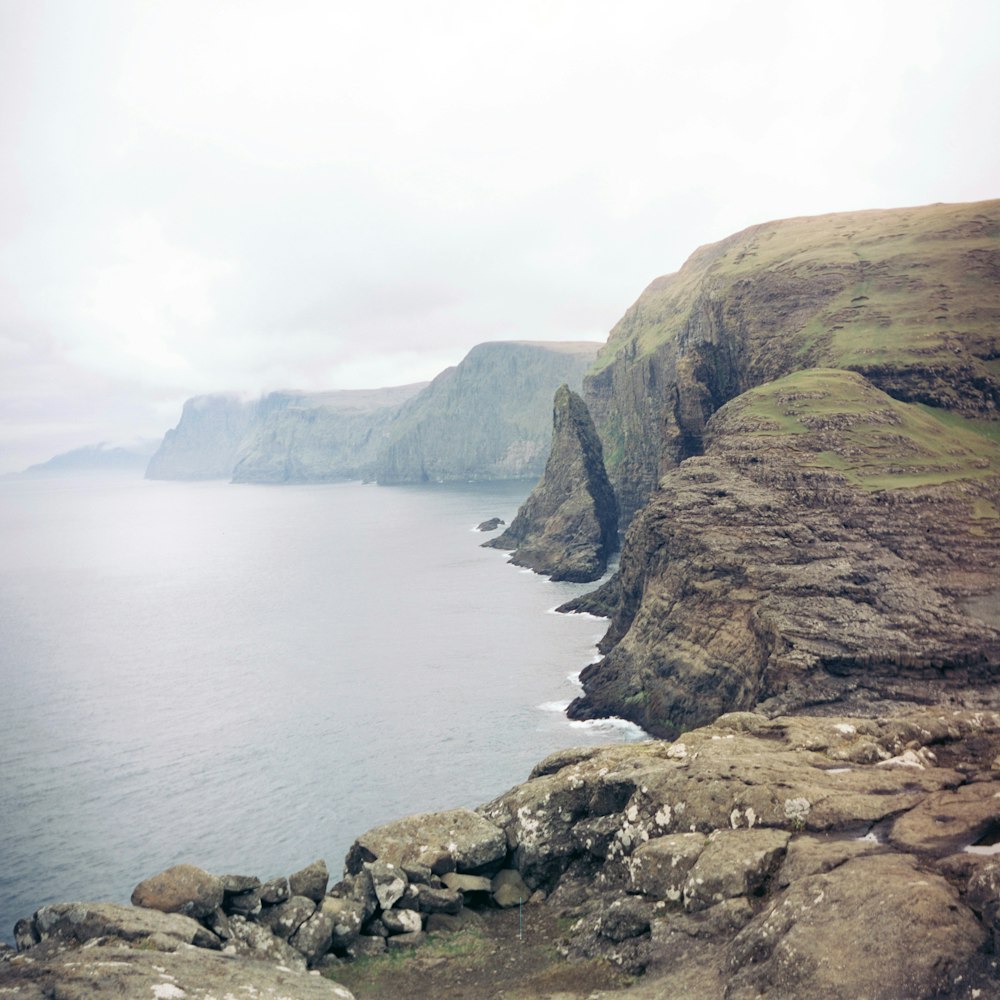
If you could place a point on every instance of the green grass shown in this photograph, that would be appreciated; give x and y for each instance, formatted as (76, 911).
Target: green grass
(839, 421)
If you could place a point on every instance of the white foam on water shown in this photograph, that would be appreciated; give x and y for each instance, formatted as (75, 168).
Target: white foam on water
(554, 706)
(574, 678)
(630, 729)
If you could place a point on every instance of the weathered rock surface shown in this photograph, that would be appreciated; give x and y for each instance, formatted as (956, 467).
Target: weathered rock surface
(183, 889)
(310, 881)
(810, 558)
(104, 970)
(568, 527)
(458, 839)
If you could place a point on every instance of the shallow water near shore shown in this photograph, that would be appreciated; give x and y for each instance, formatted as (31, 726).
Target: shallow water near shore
(247, 677)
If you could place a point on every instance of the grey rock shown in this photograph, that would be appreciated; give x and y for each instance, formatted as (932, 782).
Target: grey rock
(660, 867)
(314, 937)
(366, 947)
(275, 891)
(254, 940)
(402, 921)
(310, 881)
(77, 923)
(245, 904)
(284, 919)
(25, 935)
(433, 900)
(239, 883)
(733, 863)
(388, 880)
(443, 841)
(491, 525)
(409, 940)
(625, 918)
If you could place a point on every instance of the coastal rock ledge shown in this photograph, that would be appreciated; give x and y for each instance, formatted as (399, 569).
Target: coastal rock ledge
(831, 858)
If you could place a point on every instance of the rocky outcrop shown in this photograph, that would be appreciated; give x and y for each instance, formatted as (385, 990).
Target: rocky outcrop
(206, 442)
(568, 527)
(795, 856)
(486, 418)
(823, 552)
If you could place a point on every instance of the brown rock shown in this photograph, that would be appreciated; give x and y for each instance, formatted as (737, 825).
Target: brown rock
(182, 889)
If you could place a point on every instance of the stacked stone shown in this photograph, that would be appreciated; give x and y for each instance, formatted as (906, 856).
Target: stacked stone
(402, 881)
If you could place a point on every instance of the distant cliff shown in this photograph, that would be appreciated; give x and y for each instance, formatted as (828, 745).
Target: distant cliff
(318, 437)
(206, 442)
(489, 417)
(486, 418)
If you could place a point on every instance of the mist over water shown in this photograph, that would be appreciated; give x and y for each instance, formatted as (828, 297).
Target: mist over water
(245, 677)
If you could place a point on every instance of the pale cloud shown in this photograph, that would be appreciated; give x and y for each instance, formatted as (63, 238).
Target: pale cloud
(252, 195)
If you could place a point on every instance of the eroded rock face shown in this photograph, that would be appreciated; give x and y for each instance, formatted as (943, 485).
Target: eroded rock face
(768, 574)
(568, 527)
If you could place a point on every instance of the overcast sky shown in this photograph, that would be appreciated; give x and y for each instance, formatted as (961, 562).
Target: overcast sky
(247, 196)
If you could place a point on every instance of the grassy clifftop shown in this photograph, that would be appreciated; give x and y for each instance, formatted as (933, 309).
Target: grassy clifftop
(859, 288)
(836, 420)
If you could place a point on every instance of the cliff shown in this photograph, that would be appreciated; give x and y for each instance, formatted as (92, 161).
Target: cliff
(486, 418)
(318, 437)
(909, 298)
(569, 526)
(833, 546)
(206, 442)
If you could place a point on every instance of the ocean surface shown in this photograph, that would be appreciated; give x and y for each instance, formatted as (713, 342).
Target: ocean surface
(248, 677)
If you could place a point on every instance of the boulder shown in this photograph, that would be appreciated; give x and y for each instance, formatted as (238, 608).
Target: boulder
(467, 883)
(285, 918)
(491, 525)
(314, 937)
(389, 882)
(410, 940)
(625, 918)
(402, 921)
(77, 923)
(457, 839)
(443, 900)
(310, 881)
(254, 940)
(874, 920)
(182, 889)
(508, 888)
(239, 883)
(275, 891)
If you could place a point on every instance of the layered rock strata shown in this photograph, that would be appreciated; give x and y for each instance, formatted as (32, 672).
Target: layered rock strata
(568, 527)
(833, 547)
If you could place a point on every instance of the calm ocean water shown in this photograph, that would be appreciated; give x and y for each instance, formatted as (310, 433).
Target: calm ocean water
(247, 677)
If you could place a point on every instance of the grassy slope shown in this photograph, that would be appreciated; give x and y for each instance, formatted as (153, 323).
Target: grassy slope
(874, 441)
(861, 288)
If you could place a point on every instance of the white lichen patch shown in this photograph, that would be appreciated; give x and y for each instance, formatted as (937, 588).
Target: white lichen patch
(845, 728)
(167, 991)
(797, 809)
(663, 816)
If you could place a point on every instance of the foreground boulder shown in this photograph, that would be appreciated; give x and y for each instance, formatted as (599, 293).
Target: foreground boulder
(183, 889)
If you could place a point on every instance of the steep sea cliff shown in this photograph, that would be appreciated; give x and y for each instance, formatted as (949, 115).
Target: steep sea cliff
(801, 430)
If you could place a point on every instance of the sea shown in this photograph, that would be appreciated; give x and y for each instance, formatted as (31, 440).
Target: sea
(246, 678)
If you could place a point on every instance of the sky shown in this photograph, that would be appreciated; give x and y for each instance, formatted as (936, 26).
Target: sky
(246, 196)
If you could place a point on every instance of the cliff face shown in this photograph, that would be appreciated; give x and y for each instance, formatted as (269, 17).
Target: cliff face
(910, 298)
(486, 418)
(206, 442)
(830, 547)
(569, 525)
(318, 437)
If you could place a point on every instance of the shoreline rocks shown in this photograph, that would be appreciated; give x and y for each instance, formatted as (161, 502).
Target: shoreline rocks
(839, 841)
